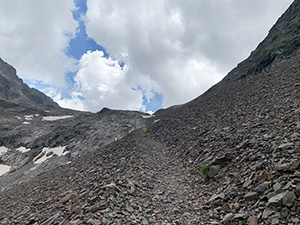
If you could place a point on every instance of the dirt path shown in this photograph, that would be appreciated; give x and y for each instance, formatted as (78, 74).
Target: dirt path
(169, 182)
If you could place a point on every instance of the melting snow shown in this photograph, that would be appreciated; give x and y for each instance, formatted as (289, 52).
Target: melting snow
(53, 118)
(148, 116)
(28, 117)
(43, 155)
(3, 150)
(4, 169)
(23, 149)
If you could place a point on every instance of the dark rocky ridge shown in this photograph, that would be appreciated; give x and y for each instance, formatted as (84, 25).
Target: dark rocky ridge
(248, 130)
(13, 90)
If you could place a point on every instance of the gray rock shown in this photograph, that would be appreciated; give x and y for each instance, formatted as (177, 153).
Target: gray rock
(288, 198)
(217, 196)
(227, 218)
(283, 167)
(250, 196)
(285, 146)
(260, 188)
(276, 187)
(213, 171)
(276, 200)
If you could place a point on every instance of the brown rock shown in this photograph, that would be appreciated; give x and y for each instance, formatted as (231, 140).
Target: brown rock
(68, 197)
(297, 192)
(251, 196)
(288, 198)
(252, 220)
(227, 218)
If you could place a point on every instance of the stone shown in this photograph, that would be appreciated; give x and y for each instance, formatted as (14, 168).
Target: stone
(227, 218)
(288, 198)
(129, 209)
(77, 210)
(68, 197)
(250, 196)
(51, 220)
(295, 220)
(267, 213)
(213, 171)
(75, 222)
(98, 206)
(285, 146)
(217, 196)
(276, 200)
(236, 206)
(252, 220)
(247, 183)
(260, 188)
(240, 216)
(283, 167)
(297, 192)
(276, 187)
(145, 221)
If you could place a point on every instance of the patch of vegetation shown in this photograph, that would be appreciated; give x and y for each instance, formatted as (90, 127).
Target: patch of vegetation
(205, 169)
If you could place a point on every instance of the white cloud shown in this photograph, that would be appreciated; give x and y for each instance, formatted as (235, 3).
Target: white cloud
(180, 48)
(103, 83)
(34, 35)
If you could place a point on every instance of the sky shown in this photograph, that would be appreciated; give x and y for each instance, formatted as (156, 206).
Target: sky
(132, 55)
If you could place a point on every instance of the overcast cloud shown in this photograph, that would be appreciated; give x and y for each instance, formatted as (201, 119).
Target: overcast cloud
(34, 36)
(174, 48)
(183, 47)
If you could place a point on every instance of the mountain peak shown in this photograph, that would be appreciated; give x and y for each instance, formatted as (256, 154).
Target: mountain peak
(14, 90)
(282, 41)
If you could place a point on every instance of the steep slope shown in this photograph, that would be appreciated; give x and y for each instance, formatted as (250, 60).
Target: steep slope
(37, 135)
(13, 90)
(247, 128)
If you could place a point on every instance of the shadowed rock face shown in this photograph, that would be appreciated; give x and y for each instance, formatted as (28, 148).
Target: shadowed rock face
(247, 127)
(282, 41)
(13, 90)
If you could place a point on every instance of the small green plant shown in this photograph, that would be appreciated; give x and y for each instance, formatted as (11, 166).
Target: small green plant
(205, 169)
(145, 130)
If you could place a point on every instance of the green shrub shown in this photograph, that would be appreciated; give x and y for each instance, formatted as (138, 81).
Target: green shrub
(205, 169)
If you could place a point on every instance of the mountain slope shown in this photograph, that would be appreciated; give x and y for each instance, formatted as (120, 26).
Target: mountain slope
(13, 90)
(246, 127)
(37, 135)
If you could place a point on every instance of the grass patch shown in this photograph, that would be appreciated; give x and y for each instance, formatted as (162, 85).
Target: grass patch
(205, 169)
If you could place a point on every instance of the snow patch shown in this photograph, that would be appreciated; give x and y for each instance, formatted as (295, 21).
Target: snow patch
(3, 150)
(54, 118)
(43, 155)
(26, 123)
(148, 116)
(23, 149)
(28, 117)
(4, 169)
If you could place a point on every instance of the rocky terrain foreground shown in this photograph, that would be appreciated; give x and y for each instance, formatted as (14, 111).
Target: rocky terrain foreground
(245, 130)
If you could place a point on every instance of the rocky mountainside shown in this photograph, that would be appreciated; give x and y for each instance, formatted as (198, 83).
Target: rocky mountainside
(230, 156)
(13, 90)
(37, 135)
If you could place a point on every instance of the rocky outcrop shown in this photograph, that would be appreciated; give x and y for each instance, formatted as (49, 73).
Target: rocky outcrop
(13, 90)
